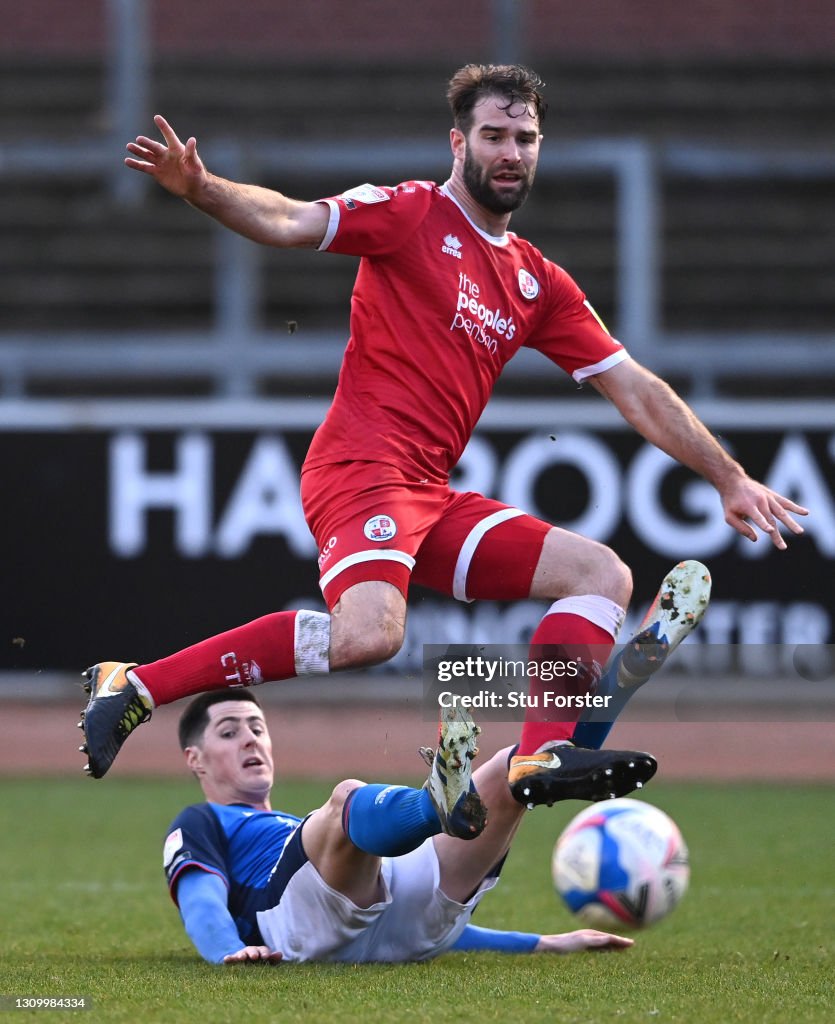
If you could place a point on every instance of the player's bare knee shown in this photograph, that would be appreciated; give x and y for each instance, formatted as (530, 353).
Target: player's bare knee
(387, 639)
(605, 574)
(376, 642)
(332, 809)
(619, 580)
(323, 834)
(570, 564)
(341, 792)
(367, 626)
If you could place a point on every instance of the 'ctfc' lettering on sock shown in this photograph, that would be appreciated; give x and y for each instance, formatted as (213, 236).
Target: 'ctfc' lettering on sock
(244, 673)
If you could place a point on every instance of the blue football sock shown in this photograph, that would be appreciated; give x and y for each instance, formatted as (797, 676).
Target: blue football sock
(595, 724)
(389, 820)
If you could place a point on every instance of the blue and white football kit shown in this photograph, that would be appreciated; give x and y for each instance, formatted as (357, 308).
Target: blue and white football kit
(240, 877)
(254, 853)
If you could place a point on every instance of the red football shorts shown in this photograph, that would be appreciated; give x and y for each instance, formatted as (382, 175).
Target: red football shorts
(372, 522)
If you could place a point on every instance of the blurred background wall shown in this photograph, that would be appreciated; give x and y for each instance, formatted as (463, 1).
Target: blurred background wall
(159, 379)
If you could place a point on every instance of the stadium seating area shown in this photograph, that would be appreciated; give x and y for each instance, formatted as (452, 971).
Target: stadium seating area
(738, 254)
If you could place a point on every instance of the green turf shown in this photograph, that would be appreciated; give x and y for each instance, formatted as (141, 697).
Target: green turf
(85, 912)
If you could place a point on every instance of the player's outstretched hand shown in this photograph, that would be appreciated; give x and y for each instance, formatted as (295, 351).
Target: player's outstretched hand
(176, 166)
(577, 942)
(748, 503)
(252, 955)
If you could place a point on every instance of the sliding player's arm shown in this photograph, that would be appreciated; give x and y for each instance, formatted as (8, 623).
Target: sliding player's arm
(475, 939)
(201, 897)
(260, 214)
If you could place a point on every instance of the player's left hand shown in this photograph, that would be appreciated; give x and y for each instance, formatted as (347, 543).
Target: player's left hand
(577, 942)
(253, 954)
(748, 503)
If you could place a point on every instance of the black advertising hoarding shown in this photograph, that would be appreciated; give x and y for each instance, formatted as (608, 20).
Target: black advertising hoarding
(134, 529)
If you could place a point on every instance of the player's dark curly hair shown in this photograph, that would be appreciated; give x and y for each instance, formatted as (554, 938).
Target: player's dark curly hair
(473, 82)
(195, 718)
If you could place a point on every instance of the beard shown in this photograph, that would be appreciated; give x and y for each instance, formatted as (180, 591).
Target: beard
(475, 179)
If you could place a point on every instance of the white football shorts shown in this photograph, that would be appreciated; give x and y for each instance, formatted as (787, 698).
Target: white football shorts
(415, 920)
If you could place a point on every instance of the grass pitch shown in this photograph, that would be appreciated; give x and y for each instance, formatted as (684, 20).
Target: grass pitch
(85, 913)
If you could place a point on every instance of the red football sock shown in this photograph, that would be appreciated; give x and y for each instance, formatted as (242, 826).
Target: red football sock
(584, 647)
(258, 652)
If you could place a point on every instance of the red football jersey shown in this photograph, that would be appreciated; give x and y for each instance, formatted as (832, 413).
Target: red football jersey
(438, 308)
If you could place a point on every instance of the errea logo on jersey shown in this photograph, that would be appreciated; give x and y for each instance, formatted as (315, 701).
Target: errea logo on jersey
(528, 284)
(451, 246)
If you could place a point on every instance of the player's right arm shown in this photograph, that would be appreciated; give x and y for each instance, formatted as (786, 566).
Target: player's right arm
(260, 214)
(201, 897)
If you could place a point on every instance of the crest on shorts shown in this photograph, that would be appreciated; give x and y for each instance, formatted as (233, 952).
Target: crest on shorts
(380, 528)
(528, 284)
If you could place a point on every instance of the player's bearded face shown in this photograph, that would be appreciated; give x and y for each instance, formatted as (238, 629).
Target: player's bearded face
(499, 188)
(500, 185)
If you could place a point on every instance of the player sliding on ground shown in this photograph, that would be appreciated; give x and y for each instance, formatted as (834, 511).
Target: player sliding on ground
(444, 297)
(379, 873)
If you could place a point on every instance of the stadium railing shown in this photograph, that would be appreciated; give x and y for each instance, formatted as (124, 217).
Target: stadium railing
(235, 353)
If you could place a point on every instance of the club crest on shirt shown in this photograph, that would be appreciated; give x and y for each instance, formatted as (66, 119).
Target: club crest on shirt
(380, 528)
(528, 284)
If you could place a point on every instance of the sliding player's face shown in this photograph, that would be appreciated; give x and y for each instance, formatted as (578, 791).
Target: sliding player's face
(234, 758)
(502, 150)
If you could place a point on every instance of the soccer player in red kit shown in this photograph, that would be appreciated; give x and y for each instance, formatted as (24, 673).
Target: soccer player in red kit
(444, 297)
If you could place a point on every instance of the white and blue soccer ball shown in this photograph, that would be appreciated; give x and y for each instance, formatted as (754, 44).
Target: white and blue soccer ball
(621, 864)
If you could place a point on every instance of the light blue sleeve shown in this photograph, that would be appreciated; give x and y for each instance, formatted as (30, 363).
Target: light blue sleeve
(201, 897)
(474, 939)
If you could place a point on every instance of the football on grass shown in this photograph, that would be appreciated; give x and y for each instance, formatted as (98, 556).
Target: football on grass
(622, 863)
